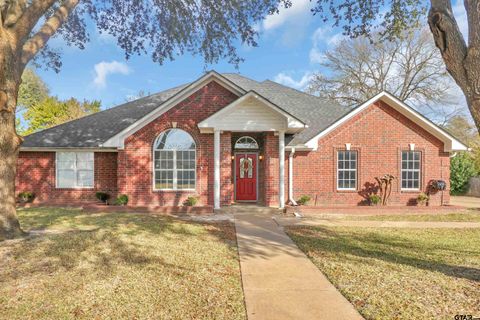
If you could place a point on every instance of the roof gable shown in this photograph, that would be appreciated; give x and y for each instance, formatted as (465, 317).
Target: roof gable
(238, 116)
(450, 143)
(119, 139)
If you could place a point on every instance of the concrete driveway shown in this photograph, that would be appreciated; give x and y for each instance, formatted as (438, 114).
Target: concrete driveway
(463, 201)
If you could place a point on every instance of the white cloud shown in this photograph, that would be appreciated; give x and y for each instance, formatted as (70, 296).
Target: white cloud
(286, 79)
(461, 17)
(323, 38)
(293, 22)
(299, 8)
(103, 69)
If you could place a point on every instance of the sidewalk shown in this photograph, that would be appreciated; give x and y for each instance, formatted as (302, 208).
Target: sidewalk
(279, 281)
(312, 221)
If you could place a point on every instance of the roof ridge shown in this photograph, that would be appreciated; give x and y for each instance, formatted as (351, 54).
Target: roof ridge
(293, 89)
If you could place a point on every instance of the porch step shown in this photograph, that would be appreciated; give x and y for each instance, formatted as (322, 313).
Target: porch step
(245, 209)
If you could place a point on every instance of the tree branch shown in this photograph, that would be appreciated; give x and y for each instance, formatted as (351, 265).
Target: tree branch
(27, 21)
(449, 39)
(39, 40)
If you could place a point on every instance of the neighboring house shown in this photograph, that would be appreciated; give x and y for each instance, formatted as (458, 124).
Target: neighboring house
(227, 138)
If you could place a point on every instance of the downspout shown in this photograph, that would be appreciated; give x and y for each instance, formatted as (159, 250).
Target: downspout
(290, 177)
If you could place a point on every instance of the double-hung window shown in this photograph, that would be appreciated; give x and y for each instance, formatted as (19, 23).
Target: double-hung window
(411, 170)
(174, 158)
(74, 169)
(346, 170)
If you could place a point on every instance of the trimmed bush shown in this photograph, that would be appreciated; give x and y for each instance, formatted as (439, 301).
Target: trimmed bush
(102, 196)
(191, 201)
(122, 200)
(374, 199)
(26, 196)
(304, 200)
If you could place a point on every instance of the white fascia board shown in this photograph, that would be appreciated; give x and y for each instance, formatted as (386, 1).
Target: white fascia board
(119, 139)
(66, 149)
(450, 143)
(298, 148)
(293, 123)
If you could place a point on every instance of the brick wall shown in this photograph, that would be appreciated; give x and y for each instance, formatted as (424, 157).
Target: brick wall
(36, 173)
(271, 170)
(379, 134)
(135, 176)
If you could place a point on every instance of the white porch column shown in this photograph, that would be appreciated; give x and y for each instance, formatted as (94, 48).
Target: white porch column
(216, 172)
(281, 159)
(290, 177)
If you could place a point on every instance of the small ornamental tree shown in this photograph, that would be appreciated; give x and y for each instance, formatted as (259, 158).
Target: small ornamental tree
(462, 168)
(161, 29)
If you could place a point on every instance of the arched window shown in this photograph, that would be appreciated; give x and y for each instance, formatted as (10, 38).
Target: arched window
(246, 142)
(174, 160)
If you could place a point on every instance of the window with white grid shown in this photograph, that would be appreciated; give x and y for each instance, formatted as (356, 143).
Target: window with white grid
(411, 170)
(74, 169)
(174, 161)
(346, 170)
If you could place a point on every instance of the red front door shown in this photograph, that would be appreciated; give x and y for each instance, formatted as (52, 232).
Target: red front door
(246, 176)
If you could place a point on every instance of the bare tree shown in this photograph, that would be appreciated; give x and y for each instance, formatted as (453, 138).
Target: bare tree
(162, 29)
(392, 17)
(410, 67)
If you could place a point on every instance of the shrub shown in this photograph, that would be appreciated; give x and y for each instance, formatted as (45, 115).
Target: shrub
(303, 200)
(26, 196)
(191, 201)
(122, 200)
(422, 198)
(374, 199)
(102, 196)
(462, 168)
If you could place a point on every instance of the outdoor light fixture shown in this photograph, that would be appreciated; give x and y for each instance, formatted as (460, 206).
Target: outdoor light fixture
(233, 158)
(260, 157)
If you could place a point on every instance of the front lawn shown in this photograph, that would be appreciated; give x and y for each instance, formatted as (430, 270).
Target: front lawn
(119, 266)
(468, 216)
(399, 273)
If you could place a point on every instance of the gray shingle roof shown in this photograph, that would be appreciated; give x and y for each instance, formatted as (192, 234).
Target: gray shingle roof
(317, 113)
(93, 130)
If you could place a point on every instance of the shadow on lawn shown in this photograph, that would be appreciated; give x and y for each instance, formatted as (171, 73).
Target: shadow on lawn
(380, 247)
(101, 242)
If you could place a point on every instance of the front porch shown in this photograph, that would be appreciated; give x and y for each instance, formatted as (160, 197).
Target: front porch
(249, 151)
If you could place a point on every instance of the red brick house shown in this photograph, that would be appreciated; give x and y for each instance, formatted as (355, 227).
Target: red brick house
(227, 138)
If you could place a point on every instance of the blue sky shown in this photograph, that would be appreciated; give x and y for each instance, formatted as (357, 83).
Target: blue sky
(290, 49)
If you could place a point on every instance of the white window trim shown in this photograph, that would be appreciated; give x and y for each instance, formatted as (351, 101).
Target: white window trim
(75, 187)
(174, 171)
(419, 172)
(356, 172)
(242, 137)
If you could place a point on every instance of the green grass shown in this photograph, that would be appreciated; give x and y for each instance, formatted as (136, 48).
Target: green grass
(399, 273)
(119, 266)
(469, 216)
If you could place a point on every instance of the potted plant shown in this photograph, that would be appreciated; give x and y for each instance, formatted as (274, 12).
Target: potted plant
(191, 201)
(26, 196)
(422, 199)
(374, 199)
(303, 200)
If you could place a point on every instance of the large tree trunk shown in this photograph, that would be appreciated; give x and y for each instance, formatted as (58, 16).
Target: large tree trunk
(10, 73)
(462, 61)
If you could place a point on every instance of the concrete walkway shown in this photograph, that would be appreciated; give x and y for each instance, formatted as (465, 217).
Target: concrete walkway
(279, 281)
(311, 221)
